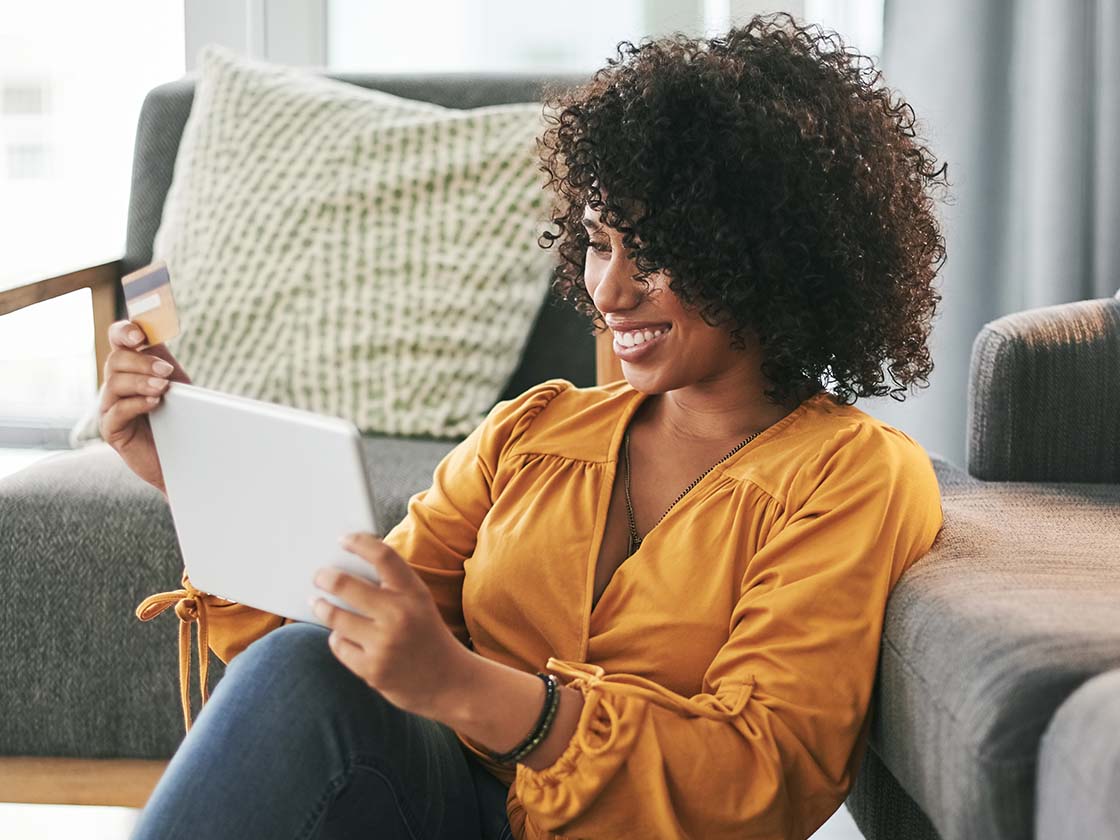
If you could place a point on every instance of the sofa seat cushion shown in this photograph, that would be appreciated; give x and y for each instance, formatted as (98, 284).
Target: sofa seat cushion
(1016, 605)
(1079, 765)
(85, 541)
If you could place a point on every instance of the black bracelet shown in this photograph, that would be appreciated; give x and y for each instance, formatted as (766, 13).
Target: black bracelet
(544, 723)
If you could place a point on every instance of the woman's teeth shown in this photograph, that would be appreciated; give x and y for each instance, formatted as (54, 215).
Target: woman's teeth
(633, 338)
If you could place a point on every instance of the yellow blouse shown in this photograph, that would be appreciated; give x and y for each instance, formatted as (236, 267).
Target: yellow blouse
(727, 668)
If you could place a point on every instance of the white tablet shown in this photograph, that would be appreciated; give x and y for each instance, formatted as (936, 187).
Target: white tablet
(260, 494)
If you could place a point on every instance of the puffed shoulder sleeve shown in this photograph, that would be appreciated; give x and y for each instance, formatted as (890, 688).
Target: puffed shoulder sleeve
(770, 746)
(441, 526)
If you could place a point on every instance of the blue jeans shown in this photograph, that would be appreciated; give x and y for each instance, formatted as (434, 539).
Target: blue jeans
(293, 745)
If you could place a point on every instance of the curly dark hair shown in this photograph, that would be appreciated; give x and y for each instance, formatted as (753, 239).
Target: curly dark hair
(777, 187)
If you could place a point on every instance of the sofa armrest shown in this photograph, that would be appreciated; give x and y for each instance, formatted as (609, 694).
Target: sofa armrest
(1044, 395)
(85, 541)
(102, 280)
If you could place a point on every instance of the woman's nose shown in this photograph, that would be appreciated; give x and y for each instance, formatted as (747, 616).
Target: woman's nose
(615, 288)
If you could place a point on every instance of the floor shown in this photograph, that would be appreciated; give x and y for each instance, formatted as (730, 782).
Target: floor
(51, 822)
(48, 822)
(54, 822)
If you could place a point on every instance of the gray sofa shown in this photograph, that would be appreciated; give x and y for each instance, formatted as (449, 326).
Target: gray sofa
(1016, 606)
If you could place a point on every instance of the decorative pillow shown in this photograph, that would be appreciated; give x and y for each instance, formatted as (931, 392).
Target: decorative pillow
(352, 252)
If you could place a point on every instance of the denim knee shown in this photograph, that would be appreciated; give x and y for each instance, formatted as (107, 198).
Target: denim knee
(301, 642)
(295, 677)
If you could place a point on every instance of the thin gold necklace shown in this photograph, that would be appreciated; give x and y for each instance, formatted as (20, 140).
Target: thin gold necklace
(635, 542)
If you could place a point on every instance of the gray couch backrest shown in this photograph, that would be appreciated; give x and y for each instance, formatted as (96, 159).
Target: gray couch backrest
(561, 342)
(1044, 396)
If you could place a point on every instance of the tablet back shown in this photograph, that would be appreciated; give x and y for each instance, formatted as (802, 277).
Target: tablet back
(260, 494)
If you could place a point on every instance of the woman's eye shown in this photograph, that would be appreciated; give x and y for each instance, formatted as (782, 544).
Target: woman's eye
(601, 247)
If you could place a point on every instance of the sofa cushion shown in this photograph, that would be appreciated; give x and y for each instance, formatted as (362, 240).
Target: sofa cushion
(1079, 765)
(559, 345)
(352, 252)
(85, 541)
(1016, 604)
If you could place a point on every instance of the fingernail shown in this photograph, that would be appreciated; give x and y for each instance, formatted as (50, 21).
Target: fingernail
(162, 368)
(135, 336)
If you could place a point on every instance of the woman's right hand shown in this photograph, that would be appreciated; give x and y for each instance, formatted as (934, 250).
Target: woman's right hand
(134, 382)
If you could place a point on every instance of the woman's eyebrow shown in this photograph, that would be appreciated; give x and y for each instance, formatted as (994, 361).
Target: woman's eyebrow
(590, 224)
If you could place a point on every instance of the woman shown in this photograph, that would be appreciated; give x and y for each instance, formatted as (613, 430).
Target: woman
(701, 553)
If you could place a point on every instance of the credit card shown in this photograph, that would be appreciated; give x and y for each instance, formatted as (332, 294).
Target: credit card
(147, 297)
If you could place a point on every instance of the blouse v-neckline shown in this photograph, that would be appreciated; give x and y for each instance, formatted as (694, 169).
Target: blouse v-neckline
(609, 476)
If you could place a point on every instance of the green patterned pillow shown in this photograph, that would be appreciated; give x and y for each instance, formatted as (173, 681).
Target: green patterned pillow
(352, 252)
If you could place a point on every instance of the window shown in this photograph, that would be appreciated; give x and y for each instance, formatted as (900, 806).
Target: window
(859, 22)
(512, 36)
(24, 98)
(483, 35)
(72, 79)
(27, 161)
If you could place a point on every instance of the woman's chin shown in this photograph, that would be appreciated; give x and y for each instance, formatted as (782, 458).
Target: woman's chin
(641, 378)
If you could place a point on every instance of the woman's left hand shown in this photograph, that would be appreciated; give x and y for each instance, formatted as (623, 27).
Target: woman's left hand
(396, 640)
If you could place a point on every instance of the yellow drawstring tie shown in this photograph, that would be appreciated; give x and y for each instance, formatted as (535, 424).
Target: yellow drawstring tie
(189, 606)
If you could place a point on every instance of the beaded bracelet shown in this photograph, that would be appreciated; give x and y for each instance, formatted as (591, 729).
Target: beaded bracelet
(544, 723)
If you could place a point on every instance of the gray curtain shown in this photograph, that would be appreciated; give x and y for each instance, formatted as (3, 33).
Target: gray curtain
(1022, 99)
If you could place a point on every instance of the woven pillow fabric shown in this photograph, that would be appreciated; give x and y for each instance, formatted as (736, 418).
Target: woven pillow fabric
(352, 252)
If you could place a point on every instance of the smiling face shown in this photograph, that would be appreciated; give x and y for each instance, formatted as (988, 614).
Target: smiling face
(662, 346)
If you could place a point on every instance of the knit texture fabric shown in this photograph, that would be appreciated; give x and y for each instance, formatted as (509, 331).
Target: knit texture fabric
(352, 252)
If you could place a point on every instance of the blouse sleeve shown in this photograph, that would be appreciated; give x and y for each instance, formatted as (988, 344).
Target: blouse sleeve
(233, 626)
(225, 627)
(771, 745)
